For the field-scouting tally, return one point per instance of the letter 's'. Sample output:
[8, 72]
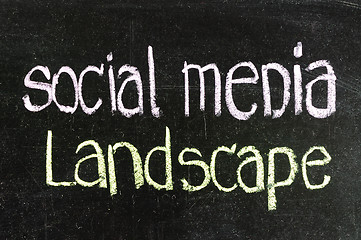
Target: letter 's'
[37, 85]
[203, 165]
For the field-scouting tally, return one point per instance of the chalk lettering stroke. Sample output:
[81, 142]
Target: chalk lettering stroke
[142, 173]
[134, 77]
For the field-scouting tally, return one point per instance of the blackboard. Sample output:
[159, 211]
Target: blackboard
[175, 34]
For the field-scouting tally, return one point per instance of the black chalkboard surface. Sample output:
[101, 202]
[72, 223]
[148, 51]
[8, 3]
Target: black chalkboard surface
[180, 120]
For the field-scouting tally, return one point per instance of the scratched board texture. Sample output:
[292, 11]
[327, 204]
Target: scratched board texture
[81, 33]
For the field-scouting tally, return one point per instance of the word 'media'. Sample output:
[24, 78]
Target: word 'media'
[142, 173]
[133, 76]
